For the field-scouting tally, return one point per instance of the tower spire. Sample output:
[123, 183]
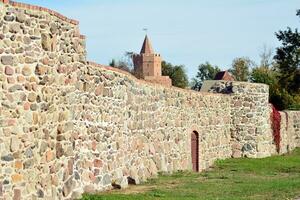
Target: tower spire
[147, 47]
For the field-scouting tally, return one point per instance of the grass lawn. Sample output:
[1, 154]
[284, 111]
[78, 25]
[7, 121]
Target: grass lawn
[276, 177]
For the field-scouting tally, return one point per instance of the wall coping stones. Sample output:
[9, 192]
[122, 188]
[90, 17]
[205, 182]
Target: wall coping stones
[39, 8]
[43, 9]
[141, 81]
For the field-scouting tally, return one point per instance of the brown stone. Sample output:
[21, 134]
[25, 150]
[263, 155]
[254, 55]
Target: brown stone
[94, 145]
[89, 189]
[9, 71]
[11, 80]
[16, 178]
[59, 150]
[26, 71]
[45, 61]
[17, 194]
[70, 166]
[26, 106]
[20, 79]
[54, 180]
[236, 154]
[49, 156]
[98, 163]
[40, 70]
[61, 69]
[92, 177]
[46, 42]
[31, 97]
[18, 165]
[35, 118]
[99, 90]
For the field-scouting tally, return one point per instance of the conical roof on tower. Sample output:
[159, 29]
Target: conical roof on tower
[147, 47]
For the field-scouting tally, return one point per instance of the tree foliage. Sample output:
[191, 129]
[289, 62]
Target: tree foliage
[288, 59]
[288, 66]
[176, 73]
[241, 68]
[206, 71]
[125, 63]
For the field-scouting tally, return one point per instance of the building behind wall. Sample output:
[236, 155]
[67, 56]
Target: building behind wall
[147, 65]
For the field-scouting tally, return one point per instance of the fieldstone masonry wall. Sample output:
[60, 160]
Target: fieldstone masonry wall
[251, 131]
[290, 130]
[69, 126]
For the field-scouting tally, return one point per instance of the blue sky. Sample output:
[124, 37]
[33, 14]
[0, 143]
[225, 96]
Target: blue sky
[186, 32]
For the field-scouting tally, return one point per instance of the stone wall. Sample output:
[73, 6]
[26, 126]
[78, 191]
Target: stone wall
[69, 126]
[290, 131]
[251, 131]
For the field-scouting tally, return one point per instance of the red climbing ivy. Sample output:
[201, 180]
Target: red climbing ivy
[276, 119]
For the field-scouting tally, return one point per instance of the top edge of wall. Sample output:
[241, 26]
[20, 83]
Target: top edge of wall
[39, 8]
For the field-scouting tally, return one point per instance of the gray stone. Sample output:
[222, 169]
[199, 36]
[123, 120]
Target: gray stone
[29, 60]
[68, 186]
[7, 60]
[247, 147]
[106, 180]
[43, 147]
[28, 163]
[14, 144]
[46, 42]
[77, 176]
[7, 158]
[28, 153]
[33, 107]
[13, 37]
[1, 190]
[53, 28]
[9, 18]
[21, 17]
[40, 193]
[15, 88]
[14, 28]
[19, 50]
[27, 40]
[98, 179]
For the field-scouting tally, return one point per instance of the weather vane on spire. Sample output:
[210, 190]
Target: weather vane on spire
[146, 30]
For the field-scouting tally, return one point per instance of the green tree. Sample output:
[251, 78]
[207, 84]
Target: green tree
[176, 73]
[241, 68]
[125, 63]
[266, 57]
[288, 59]
[206, 71]
[267, 75]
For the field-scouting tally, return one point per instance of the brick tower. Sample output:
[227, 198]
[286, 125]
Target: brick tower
[147, 65]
